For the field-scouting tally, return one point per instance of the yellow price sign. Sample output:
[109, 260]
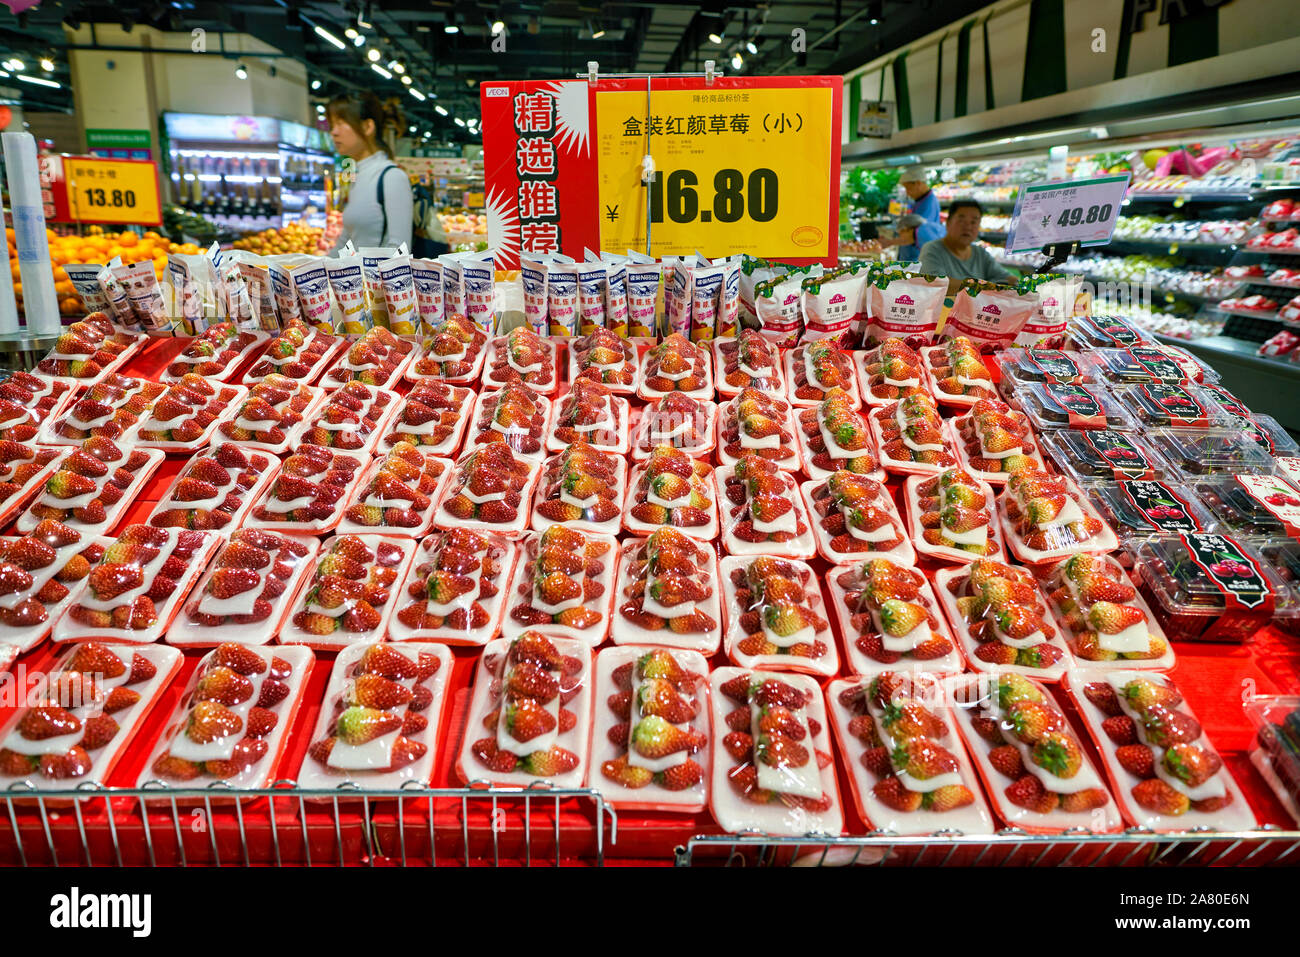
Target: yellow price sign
[112, 191]
[751, 170]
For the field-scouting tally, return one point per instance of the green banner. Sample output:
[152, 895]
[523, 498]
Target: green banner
[119, 139]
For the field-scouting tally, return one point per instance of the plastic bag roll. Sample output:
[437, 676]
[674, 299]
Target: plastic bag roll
[40, 302]
[8, 305]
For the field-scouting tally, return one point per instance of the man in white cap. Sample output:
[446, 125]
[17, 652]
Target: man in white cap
[916, 183]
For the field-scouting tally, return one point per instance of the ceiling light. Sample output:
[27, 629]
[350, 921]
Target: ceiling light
[329, 37]
[241, 72]
[875, 12]
[406, 79]
[373, 55]
[737, 61]
[397, 67]
[459, 121]
[411, 128]
[350, 33]
[417, 94]
[498, 27]
[359, 40]
[596, 34]
[451, 28]
[441, 109]
[14, 64]
[752, 47]
[381, 71]
[315, 84]
[363, 17]
[4, 74]
[715, 37]
[47, 64]
[40, 81]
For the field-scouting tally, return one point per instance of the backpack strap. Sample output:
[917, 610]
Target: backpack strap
[383, 236]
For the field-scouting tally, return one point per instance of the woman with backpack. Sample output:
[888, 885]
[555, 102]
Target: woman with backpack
[378, 209]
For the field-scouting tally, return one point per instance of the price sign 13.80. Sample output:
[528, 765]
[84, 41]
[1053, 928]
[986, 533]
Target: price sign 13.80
[114, 199]
[734, 197]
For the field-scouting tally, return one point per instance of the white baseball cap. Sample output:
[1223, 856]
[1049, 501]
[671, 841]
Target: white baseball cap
[914, 174]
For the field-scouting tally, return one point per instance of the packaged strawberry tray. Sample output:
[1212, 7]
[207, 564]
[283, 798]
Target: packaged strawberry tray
[185, 416]
[110, 409]
[1002, 620]
[591, 413]
[748, 361]
[1105, 621]
[563, 585]
[246, 593]
[1276, 754]
[136, 588]
[490, 491]
[86, 711]
[352, 419]
[1136, 509]
[41, 573]
[309, 493]
[215, 354]
[678, 421]
[398, 494]
[27, 402]
[453, 354]
[1046, 517]
[514, 417]
[299, 353]
[605, 358]
[673, 489]
[957, 374]
[775, 616]
[529, 718]
[1084, 406]
[433, 416]
[835, 436]
[351, 593]
[93, 487]
[455, 589]
[890, 372]
[380, 718]
[907, 767]
[763, 511]
[1030, 758]
[522, 358]
[23, 469]
[668, 593]
[952, 517]
[378, 358]
[912, 437]
[582, 488]
[233, 721]
[854, 517]
[815, 369]
[1104, 455]
[772, 770]
[676, 365]
[650, 735]
[888, 614]
[993, 440]
[268, 419]
[758, 423]
[1164, 771]
[215, 490]
[87, 351]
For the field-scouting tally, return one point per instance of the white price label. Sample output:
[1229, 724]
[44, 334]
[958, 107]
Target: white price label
[1080, 211]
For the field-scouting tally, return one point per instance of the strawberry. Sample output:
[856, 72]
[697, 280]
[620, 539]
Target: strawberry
[899, 618]
[549, 763]
[120, 698]
[47, 721]
[73, 763]
[238, 658]
[1039, 656]
[223, 685]
[659, 663]
[110, 580]
[1103, 696]
[210, 720]
[1006, 759]
[658, 696]
[905, 718]
[1157, 796]
[891, 793]
[359, 724]
[99, 731]
[1058, 753]
[681, 776]
[1028, 792]
[1031, 721]
[486, 750]
[1166, 727]
[261, 722]
[996, 653]
[387, 661]
[1089, 799]
[228, 582]
[626, 775]
[95, 659]
[526, 719]
[527, 680]
[1137, 759]
[1191, 764]
[778, 751]
[653, 737]
[923, 758]
[1111, 619]
[246, 753]
[1144, 693]
[947, 798]
[376, 691]
[15, 765]
[1101, 587]
[1120, 729]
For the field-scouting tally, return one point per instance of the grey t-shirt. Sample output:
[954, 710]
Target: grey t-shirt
[938, 260]
[363, 220]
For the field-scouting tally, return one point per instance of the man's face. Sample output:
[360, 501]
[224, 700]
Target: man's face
[916, 189]
[964, 225]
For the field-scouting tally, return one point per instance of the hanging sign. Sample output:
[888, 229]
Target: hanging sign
[1082, 211]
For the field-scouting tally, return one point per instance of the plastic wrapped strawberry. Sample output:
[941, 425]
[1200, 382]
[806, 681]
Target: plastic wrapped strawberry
[515, 417]
[93, 486]
[352, 419]
[454, 353]
[530, 715]
[350, 595]
[380, 717]
[398, 494]
[299, 353]
[564, 584]
[433, 416]
[957, 373]
[813, 370]
[377, 359]
[1103, 617]
[773, 769]
[86, 711]
[912, 437]
[309, 493]
[775, 616]
[456, 589]
[40, 574]
[652, 729]
[27, 402]
[215, 490]
[246, 593]
[679, 421]
[605, 358]
[215, 353]
[763, 510]
[891, 371]
[138, 585]
[1001, 619]
[489, 491]
[672, 489]
[755, 423]
[748, 362]
[88, 350]
[233, 720]
[676, 365]
[22, 468]
[951, 516]
[668, 593]
[907, 767]
[268, 417]
[521, 357]
[889, 614]
[994, 440]
[853, 515]
[582, 488]
[835, 436]
[591, 413]
[1046, 517]
[185, 416]
[109, 409]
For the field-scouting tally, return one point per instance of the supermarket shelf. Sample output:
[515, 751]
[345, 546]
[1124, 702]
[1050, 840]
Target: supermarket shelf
[1244, 313]
[1226, 196]
[1266, 384]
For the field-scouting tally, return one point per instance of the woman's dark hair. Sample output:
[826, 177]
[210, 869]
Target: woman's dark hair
[357, 107]
[959, 204]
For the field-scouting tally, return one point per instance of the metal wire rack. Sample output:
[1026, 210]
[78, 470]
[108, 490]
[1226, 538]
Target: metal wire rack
[1136, 847]
[285, 825]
